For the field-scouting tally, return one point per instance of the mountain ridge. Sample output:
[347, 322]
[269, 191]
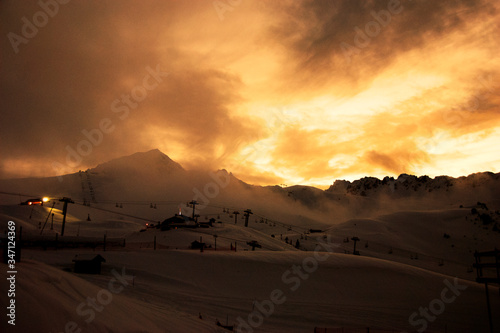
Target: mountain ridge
[153, 177]
[339, 185]
[366, 185]
[135, 161]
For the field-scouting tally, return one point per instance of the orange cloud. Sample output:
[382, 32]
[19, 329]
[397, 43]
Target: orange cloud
[271, 97]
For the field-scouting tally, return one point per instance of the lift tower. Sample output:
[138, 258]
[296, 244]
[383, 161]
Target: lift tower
[65, 210]
[247, 215]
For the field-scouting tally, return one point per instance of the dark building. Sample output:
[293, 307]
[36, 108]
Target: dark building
[178, 221]
[198, 245]
[31, 202]
[208, 224]
[88, 263]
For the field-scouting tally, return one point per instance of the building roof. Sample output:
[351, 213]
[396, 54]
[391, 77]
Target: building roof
[181, 219]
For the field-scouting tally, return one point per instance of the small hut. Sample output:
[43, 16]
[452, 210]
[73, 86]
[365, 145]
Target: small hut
[178, 221]
[88, 263]
[198, 245]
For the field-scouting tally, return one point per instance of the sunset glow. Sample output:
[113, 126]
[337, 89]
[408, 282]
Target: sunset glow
[264, 89]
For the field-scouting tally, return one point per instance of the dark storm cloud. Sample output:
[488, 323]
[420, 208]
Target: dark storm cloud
[352, 41]
[65, 79]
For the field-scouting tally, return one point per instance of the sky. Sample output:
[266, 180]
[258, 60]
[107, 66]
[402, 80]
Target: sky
[277, 92]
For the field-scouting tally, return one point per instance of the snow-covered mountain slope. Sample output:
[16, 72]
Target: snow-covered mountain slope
[152, 177]
[473, 188]
[133, 184]
[414, 233]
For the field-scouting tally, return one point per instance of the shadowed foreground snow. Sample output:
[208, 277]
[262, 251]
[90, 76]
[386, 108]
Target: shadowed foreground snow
[170, 288]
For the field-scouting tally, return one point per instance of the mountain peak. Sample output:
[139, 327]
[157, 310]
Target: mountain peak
[153, 161]
[154, 151]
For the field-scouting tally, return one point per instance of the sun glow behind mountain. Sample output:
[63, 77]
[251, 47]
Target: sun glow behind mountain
[272, 97]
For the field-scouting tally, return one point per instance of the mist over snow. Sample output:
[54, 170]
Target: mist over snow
[414, 233]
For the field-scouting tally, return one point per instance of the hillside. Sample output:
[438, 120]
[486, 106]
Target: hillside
[414, 233]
